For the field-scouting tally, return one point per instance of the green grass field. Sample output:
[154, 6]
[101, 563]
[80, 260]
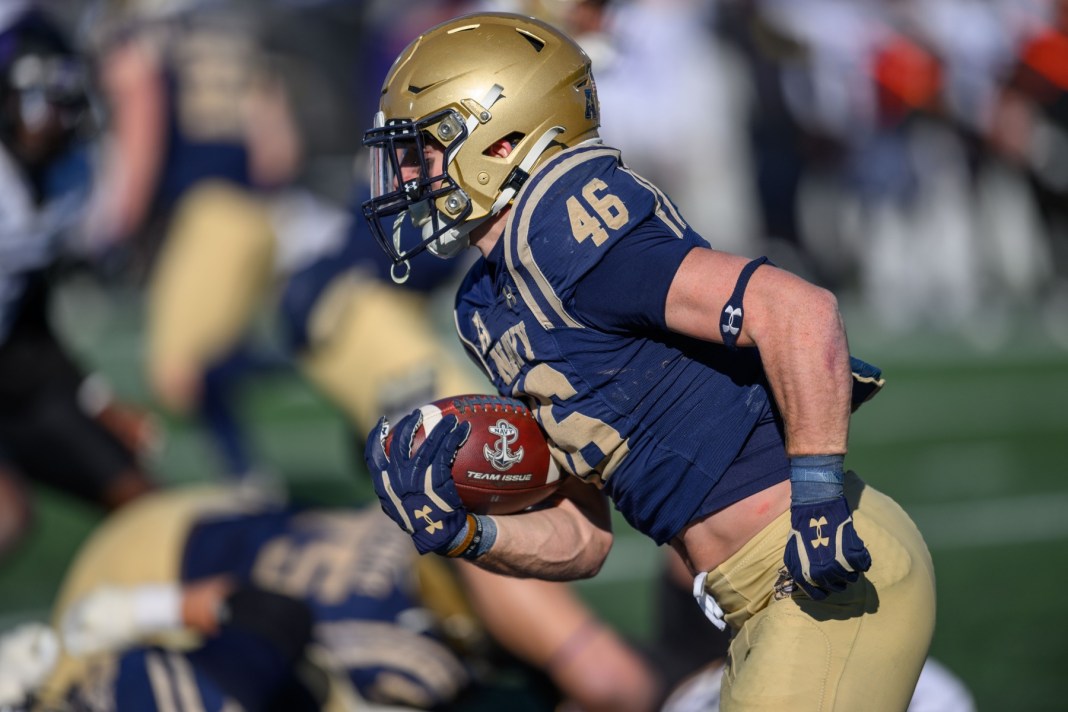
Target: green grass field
[973, 442]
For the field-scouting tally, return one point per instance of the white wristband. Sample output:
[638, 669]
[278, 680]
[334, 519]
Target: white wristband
[157, 607]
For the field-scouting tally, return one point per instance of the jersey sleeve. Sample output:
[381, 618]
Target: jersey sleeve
[593, 244]
[627, 289]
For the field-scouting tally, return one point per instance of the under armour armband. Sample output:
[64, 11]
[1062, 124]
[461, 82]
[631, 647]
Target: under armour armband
[730, 319]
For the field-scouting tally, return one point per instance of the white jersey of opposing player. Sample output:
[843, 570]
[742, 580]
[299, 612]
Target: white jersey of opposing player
[30, 235]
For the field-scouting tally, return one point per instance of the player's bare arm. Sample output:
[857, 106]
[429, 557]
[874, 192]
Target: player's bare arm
[133, 162]
[567, 541]
[796, 326]
[547, 625]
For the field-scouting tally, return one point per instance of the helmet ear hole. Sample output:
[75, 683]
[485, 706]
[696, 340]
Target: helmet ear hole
[504, 145]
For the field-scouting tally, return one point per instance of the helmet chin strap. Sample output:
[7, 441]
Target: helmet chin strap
[524, 167]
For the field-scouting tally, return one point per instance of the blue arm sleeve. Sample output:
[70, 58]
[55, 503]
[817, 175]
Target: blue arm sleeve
[628, 287]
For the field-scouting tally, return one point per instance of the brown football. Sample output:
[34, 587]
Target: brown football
[505, 465]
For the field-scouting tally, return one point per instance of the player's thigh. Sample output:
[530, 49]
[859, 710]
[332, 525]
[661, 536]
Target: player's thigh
[891, 646]
[214, 268]
[374, 351]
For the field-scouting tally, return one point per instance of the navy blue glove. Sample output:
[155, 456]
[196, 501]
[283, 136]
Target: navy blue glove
[824, 554]
[416, 488]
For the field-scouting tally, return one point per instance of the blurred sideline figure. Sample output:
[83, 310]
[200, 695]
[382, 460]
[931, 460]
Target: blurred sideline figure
[191, 601]
[58, 424]
[1030, 131]
[201, 140]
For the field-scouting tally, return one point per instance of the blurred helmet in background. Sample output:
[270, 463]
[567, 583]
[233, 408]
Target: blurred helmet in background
[43, 86]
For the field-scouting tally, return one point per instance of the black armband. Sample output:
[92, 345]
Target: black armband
[730, 319]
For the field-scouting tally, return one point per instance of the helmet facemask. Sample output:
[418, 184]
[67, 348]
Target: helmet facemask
[429, 210]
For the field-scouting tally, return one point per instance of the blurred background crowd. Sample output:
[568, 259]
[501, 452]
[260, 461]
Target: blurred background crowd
[196, 167]
[911, 152]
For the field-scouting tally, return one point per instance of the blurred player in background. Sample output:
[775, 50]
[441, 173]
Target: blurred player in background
[191, 599]
[597, 303]
[366, 344]
[201, 138]
[59, 425]
[1030, 129]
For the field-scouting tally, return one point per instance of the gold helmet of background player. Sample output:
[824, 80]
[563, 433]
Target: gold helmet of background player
[467, 85]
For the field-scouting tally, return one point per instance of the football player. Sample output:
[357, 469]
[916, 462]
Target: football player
[55, 418]
[706, 395]
[192, 597]
[201, 137]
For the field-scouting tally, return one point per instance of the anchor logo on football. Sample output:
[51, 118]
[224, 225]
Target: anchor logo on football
[818, 525]
[501, 457]
[424, 514]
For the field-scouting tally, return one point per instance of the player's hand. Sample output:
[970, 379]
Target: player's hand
[415, 487]
[111, 618]
[27, 656]
[824, 553]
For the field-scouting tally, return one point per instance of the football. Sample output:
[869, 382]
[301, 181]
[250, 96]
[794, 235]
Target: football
[505, 465]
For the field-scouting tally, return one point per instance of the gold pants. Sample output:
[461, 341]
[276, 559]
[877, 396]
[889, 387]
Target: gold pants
[860, 649]
[214, 270]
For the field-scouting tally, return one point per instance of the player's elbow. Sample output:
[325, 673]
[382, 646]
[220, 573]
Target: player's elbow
[596, 548]
[587, 548]
[819, 308]
[813, 317]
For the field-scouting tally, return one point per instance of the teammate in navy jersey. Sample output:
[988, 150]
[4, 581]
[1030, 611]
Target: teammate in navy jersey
[707, 395]
[202, 138]
[196, 598]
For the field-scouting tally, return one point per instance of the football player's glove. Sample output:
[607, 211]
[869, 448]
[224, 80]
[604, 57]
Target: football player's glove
[28, 654]
[415, 487]
[824, 553]
[111, 618]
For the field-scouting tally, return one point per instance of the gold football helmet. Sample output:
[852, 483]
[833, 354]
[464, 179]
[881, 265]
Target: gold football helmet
[467, 86]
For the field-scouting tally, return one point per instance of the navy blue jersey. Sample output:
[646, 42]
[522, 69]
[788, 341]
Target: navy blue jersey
[653, 417]
[189, 159]
[209, 70]
[358, 577]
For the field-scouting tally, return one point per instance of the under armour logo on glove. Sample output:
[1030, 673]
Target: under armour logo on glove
[416, 488]
[824, 554]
